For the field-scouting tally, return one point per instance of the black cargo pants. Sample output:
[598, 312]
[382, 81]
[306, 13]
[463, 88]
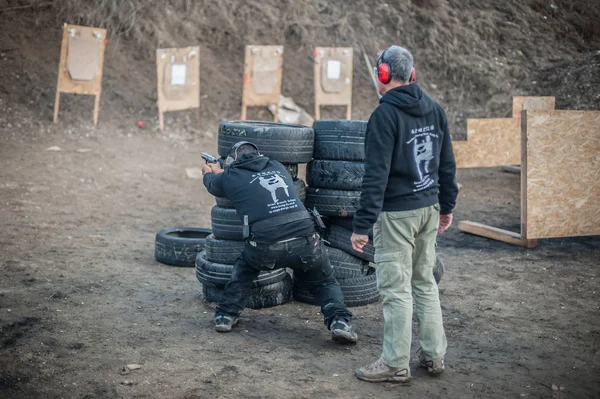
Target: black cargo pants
[309, 260]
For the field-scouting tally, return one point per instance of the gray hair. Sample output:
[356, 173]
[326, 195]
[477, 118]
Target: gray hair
[400, 61]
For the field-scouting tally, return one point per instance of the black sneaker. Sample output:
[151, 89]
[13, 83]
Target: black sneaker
[223, 323]
[342, 332]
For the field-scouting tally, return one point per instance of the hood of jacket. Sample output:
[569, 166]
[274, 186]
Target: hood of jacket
[252, 162]
[409, 99]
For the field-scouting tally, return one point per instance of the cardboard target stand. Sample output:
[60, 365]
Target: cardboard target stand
[333, 78]
[263, 67]
[80, 66]
[178, 80]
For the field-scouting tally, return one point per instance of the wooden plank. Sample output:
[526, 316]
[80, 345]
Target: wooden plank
[490, 142]
[524, 174]
[330, 89]
[495, 233]
[511, 169]
[531, 103]
[561, 194]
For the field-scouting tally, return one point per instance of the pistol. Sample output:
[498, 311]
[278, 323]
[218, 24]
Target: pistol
[208, 158]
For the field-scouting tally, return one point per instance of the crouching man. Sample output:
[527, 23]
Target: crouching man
[282, 233]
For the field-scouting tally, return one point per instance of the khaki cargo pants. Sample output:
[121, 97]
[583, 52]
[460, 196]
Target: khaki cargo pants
[405, 259]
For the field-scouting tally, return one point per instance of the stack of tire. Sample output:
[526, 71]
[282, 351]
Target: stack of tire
[288, 144]
[334, 180]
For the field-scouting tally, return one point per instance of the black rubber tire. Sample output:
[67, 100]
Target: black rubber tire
[292, 169]
[340, 139]
[223, 251]
[338, 175]
[179, 246]
[282, 142]
[226, 224]
[223, 202]
[438, 271]
[345, 265]
[260, 297]
[339, 237]
[358, 291]
[218, 274]
[345, 223]
[333, 202]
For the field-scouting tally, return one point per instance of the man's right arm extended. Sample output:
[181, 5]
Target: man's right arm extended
[214, 182]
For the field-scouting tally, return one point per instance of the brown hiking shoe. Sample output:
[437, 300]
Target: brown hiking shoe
[381, 372]
[434, 365]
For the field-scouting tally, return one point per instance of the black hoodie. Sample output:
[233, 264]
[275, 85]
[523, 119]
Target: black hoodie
[410, 163]
[261, 188]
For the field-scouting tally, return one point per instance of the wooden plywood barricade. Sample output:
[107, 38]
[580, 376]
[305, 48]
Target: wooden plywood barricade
[178, 80]
[491, 142]
[333, 78]
[497, 141]
[560, 178]
[263, 66]
[81, 64]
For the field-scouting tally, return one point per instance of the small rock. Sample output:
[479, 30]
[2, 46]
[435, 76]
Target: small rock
[134, 366]
[84, 150]
[127, 382]
[54, 148]
[554, 387]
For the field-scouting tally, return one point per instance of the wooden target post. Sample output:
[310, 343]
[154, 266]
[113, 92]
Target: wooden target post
[80, 66]
[263, 66]
[333, 78]
[178, 80]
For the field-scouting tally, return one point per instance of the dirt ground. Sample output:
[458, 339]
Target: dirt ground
[81, 295]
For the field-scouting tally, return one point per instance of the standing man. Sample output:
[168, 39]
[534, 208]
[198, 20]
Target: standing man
[408, 193]
[282, 234]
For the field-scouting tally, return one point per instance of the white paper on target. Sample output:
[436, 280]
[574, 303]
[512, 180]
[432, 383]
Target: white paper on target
[333, 69]
[178, 74]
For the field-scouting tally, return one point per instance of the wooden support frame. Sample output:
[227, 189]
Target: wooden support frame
[263, 72]
[82, 60]
[182, 91]
[511, 169]
[333, 78]
[495, 233]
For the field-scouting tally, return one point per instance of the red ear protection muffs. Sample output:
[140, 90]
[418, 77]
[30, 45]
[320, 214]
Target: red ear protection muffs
[383, 71]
